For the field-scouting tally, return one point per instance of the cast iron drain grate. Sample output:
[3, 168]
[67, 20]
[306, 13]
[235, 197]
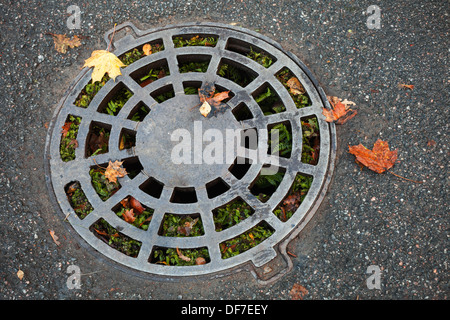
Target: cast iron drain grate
[198, 216]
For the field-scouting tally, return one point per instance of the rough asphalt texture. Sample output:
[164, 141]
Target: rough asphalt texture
[366, 218]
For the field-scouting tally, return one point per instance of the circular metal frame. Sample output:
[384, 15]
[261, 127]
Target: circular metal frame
[60, 173]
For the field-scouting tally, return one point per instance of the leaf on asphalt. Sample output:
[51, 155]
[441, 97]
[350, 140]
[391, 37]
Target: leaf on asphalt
[20, 274]
[212, 102]
[406, 86]
[379, 159]
[104, 62]
[147, 48]
[340, 111]
[298, 292]
[114, 171]
[54, 237]
[295, 86]
[182, 257]
[62, 42]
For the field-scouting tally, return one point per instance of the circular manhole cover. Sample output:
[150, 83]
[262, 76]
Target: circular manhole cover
[202, 195]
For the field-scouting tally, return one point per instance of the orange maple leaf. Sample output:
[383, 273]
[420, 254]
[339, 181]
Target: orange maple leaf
[339, 112]
[115, 170]
[379, 159]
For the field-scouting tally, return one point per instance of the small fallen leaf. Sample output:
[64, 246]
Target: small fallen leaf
[20, 274]
[136, 205]
[295, 86]
[114, 171]
[65, 129]
[406, 86]
[128, 216]
[379, 159]
[54, 237]
[104, 62]
[62, 42]
[298, 292]
[339, 112]
[200, 260]
[182, 257]
[205, 109]
[147, 48]
[212, 103]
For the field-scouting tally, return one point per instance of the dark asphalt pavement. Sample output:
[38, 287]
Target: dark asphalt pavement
[366, 219]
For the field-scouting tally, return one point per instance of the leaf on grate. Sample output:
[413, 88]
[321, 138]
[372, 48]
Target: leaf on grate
[182, 257]
[379, 159]
[128, 216]
[104, 62]
[212, 102]
[295, 86]
[340, 111]
[62, 42]
[298, 292]
[114, 171]
[136, 205]
[147, 48]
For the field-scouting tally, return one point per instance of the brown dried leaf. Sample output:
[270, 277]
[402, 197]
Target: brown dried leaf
[62, 42]
[406, 86]
[136, 205]
[128, 216]
[147, 48]
[298, 292]
[295, 86]
[54, 237]
[182, 257]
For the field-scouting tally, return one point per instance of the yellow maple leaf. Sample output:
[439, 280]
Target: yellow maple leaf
[104, 62]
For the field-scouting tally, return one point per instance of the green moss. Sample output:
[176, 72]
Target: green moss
[194, 41]
[116, 103]
[230, 215]
[115, 239]
[300, 100]
[194, 67]
[89, 92]
[235, 74]
[68, 140]
[311, 140]
[260, 57]
[175, 225]
[78, 200]
[269, 102]
[102, 186]
[294, 198]
[245, 241]
[170, 257]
